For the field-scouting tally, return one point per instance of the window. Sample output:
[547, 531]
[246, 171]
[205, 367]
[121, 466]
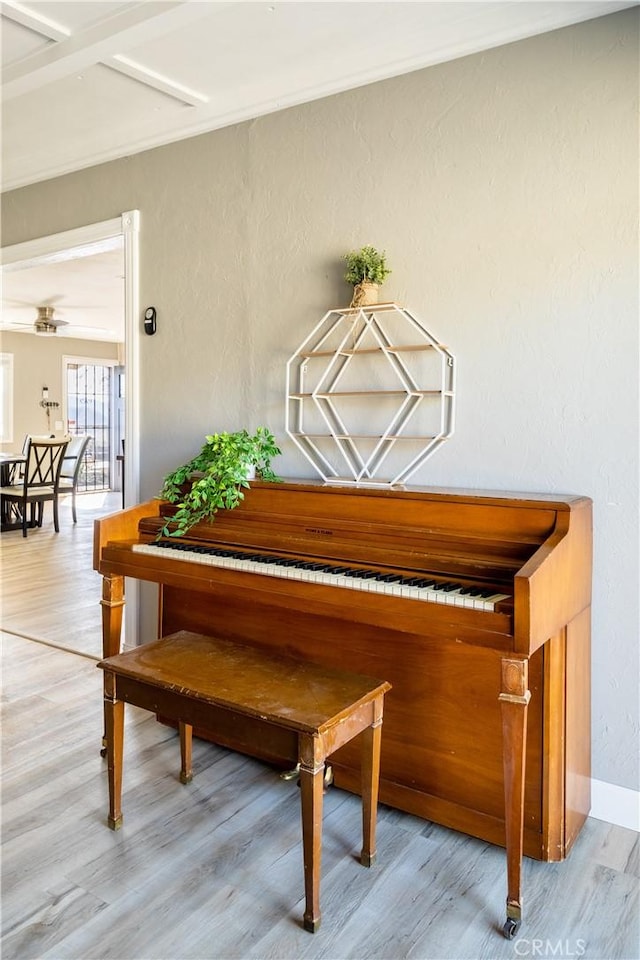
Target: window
[6, 398]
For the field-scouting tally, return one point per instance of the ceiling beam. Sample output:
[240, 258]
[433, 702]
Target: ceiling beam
[136, 71]
[34, 21]
[137, 23]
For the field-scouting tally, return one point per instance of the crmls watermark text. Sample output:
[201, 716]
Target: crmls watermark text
[550, 948]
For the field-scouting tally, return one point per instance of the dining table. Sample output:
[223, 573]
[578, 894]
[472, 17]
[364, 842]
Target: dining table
[10, 515]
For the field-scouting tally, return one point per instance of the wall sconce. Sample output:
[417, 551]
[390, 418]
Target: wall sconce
[47, 405]
[45, 402]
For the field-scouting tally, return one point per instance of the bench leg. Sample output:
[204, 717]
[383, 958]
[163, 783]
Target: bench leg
[186, 738]
[370, 766]
[114, 735]
[311, 791]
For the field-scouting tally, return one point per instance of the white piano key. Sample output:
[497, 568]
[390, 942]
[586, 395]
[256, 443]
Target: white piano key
[370, 585]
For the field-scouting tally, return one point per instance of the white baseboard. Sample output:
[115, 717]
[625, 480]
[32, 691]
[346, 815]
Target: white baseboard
[615, 804]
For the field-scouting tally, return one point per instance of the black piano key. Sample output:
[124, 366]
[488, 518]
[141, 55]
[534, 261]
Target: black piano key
[360, 573]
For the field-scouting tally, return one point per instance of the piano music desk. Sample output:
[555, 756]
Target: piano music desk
[299, 711]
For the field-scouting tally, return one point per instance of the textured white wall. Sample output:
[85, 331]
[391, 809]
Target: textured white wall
[504, 188]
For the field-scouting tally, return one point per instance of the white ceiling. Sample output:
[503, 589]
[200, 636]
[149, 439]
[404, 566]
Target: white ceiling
[85, 288]
[88, 81]
[84, 82]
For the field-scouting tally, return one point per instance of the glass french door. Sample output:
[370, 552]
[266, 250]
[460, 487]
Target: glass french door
[92, 408]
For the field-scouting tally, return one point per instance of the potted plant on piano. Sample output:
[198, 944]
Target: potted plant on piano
[216, 478]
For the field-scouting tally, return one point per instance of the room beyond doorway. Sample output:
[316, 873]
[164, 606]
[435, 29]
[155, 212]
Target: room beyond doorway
[57, 247]
[50, 591]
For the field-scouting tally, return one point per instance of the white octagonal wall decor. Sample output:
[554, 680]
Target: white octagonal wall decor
[370, 395]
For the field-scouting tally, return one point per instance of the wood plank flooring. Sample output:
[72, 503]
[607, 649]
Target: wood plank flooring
[214, 869]
[49, 589]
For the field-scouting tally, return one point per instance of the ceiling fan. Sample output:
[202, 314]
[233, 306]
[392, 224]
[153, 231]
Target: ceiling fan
[45, 324]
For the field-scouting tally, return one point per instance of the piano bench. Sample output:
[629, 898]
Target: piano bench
[303, 711]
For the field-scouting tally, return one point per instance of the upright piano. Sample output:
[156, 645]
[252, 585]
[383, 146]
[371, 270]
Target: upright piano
[474, 605]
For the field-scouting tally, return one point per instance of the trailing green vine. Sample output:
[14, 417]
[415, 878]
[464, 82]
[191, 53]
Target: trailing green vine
[216, 478]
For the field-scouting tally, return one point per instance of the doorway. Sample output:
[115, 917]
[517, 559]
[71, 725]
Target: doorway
[64, 246]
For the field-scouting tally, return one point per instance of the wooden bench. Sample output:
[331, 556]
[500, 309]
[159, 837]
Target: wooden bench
[300, 711]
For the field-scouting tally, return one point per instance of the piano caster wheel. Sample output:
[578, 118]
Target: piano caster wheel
[510, 928]
[292, 774]
[103, 752]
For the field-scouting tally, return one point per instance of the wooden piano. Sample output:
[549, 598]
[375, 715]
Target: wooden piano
[475, 606]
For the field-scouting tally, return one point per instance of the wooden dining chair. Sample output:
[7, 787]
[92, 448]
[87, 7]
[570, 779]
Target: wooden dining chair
[40, 481]
[72, 464]
[17, 471]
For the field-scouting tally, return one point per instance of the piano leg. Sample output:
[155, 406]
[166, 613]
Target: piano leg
[514, 700]
[112, 604]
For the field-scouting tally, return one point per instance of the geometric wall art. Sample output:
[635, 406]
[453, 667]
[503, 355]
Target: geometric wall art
[370, 395]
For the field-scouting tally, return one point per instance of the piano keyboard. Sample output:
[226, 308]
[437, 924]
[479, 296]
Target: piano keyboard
[335, 575]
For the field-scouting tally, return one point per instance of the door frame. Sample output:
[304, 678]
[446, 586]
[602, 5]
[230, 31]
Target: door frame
[60, 246]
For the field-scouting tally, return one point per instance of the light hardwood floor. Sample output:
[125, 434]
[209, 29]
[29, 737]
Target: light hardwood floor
[49, 589]
[214, 869]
